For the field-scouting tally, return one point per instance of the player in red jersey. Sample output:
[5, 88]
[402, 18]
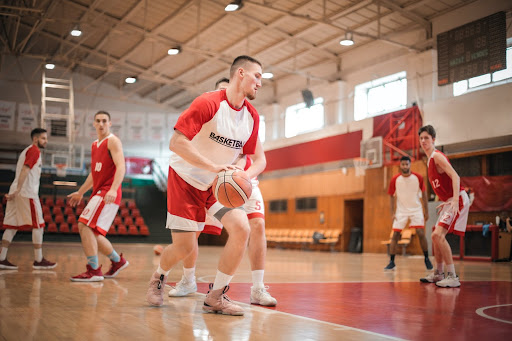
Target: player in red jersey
[453, 215]
[23, 207]
[107, 173]
[208, 138]
[257, 246]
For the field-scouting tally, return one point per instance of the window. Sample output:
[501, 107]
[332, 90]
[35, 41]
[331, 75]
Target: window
[464, 86]
[299, 119]
[380, 96]
[261, 132]
[305, 204]
[278, 206]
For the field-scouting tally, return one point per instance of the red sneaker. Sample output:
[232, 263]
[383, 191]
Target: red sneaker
[5, 264]
[90, 275]
[116, 267]
[44, 264]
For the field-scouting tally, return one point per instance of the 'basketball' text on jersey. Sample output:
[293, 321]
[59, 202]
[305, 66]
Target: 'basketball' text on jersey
[226, 141]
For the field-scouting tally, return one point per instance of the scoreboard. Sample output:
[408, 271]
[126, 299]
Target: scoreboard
[471, 50]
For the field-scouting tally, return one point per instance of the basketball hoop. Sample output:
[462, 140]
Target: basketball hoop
[360, 164]
[61, 169]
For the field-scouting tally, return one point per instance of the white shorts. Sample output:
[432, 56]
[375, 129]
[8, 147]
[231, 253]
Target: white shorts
[98, 216]
[23, 213]
[254, 207]
[455, 223]
[401, 219]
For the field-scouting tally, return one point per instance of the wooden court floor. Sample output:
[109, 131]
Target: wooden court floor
[321, 296]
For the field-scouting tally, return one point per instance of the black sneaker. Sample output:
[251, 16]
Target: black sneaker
[390, 266]
[428, 264]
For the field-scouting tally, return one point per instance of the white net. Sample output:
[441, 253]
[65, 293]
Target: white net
[360, 165]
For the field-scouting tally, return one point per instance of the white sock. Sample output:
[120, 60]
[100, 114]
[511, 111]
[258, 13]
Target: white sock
[257, 279]
[451, 268]
[440, 267]
[38, 254]
[189, 274]
[3, 254]
[162, 271]
[221, 280]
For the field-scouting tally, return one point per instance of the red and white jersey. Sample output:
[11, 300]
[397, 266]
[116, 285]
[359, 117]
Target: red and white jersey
[103, 169]
[408, 191]
[218, 131]
[31, 157]
[441, 182]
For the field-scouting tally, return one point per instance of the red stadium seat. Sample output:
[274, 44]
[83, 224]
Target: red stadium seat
[46, 209]
[131, 205]
[47, 218]
[59, 219]
[74, 228]
[81, 204]
[60, 202]
[112, 231]
[79, 211]
[52, 228]
[121, 229]
[139, 221]
[144, 231]
[57, 210]
[71, 219]
[68, 210]
[135, 213]
[64, 228]
[132, 230]
[118, 220]
[49, 202]
[128, 221]
[125, 212]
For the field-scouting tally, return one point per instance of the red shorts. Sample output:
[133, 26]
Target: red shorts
[186, 205]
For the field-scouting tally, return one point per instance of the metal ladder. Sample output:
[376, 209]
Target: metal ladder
[63, 94]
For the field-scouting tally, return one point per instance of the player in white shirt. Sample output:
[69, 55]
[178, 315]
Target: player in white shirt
[208, 138]
[405, 190]
[23, 209]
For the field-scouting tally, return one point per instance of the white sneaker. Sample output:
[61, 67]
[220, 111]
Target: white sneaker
[433, 277]
[262, 297]
[451, 281]
[183, 288]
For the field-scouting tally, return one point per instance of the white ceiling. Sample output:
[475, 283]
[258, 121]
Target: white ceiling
[131, 37]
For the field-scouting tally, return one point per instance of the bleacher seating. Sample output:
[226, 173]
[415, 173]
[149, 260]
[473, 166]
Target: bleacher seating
[404, 241]
[303, 239]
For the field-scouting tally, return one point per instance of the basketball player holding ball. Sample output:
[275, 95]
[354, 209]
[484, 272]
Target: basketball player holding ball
[255, 210]
[208, 138]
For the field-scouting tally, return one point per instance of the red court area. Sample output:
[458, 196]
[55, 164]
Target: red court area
[408, 310]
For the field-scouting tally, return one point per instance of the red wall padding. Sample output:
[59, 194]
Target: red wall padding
[492, 193]
[334, 148]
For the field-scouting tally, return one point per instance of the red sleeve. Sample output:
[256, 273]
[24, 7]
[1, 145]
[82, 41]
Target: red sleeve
[32, 156]
[202, 110]
[392, 185]
[420, 180]
[248, 162]
[250, 145]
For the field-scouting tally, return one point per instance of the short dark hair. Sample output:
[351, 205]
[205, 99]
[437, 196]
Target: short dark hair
[37, 132]
[405, 158]
[102, 112]
[222, 80]
[429, 129]
[240, 61]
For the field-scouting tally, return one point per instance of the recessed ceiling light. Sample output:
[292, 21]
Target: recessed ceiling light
[130, 80]
[50, 66]
[234, 6]
[174, 51]
[348, 41]
[267, 75]
[76, 32]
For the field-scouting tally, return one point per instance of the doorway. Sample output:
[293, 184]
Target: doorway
[354, 213]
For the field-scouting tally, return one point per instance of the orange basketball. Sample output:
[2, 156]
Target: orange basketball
[232, 188]
[158, 249]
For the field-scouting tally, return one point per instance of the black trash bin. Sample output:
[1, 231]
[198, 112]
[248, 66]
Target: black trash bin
[356, 240]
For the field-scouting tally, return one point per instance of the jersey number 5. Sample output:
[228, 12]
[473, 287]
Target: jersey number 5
[97, 168]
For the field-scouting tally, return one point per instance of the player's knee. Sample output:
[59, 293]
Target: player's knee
[437, 237]
[257, 227]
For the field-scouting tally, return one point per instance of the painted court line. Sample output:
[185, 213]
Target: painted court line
[480, 311]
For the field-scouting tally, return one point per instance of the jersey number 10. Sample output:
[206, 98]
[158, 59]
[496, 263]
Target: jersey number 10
[97, 168]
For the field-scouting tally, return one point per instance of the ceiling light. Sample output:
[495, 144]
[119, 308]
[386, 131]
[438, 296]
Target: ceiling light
[130, 80]
[173, 51]
[49, 66]
[348, 41]
[234, 6]
[267, 75]
[76, 32]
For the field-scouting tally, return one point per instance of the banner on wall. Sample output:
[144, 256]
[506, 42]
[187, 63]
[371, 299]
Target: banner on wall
[28, 117]
[492, 193]
[136, 126]
[156, 127]
[7, 111]
[118, 123]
